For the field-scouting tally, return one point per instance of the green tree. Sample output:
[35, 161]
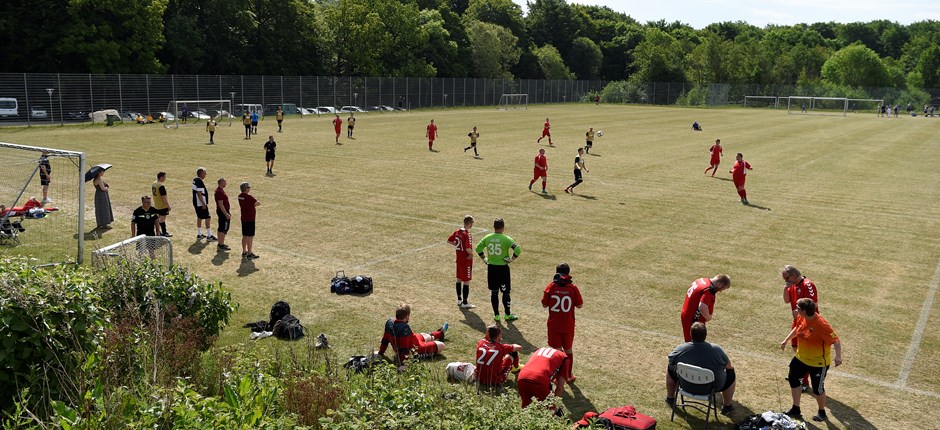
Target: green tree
[553, 67]
[928, 66]
[112, 36]
[493, 49]
[658, 58]
[441, 51]
[856, 65]
[585, 58]
[504, 13]
[553, 22]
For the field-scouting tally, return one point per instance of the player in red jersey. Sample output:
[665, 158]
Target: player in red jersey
[739, 175]
[798, 287]
[540, 170]
[699, 302]
[463, 243]
[715, 151]
[494, 359]
[337, 124]
[561, 298]
[431, 135]
[546, 132]
[546, 366]
[398, 334]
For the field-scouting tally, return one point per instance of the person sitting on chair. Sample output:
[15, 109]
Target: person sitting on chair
[707, 356]
[399, 336]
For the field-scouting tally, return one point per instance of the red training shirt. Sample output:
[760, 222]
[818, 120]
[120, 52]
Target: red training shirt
[739, 170]
[701, 291]
[247, 205]
[544, 367]
[489, 361]
[464, 241]
[803, 289]
[541, 161]
[432, 131]
[562, 298]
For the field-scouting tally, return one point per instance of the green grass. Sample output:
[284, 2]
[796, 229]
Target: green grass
[850, 201]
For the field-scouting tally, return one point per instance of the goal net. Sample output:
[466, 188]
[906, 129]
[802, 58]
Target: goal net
[761, 102]
[139, 248]
[865, 105]
[513, 101]
[817, 105]
[198, 112]
[42, 191]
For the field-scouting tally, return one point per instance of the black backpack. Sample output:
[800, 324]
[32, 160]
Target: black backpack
[361, 284]
[340, 284]
[278, 311]
[288, 328]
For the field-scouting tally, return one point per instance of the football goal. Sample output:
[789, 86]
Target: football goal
[197, 111]
[865, 105]
[135, 249]
[817, 105]
[513, 101]
[42, 194]
[761, 102]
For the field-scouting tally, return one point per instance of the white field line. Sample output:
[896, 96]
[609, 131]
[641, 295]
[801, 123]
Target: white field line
[918, 336]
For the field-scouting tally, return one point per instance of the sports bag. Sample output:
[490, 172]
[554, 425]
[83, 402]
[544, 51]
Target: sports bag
[361, 284]
[278, 311]
[340, 283]
[288, 328]
[625, 418]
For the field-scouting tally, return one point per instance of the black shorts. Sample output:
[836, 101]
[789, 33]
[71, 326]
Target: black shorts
[817, 375]
[202, 213]
[279, 121]
[350, 127]
[224, 223]
[254, 123]
[163, 212]
[248, 228]
[588, 143]
[577, 175]
[497, 277]
[269, 156]
[44, 180]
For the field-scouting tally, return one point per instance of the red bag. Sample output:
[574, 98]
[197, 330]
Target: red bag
[626, 418]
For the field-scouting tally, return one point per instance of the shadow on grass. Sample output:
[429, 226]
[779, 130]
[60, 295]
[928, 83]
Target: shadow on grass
[850, 418]
[722, 179]
[546, 196]
[94, 234]
[246, 268]
[585, 196]
[197, 247]
[594, 155]
[220, 257]
[472, 320]
[763, 208]
[577, 403]
[512, 335]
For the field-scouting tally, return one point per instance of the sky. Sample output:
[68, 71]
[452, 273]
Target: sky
[760, 13]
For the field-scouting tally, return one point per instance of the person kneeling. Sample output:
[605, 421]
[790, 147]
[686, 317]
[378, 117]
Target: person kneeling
[398, 334]
[495, 359]
[709, 356]
[546, 366]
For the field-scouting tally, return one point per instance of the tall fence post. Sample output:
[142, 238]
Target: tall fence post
[29, 121]
[120, 93]
[91, 94]
[147, 83]
[58, 80]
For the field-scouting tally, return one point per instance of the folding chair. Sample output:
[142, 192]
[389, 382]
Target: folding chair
[689, 374]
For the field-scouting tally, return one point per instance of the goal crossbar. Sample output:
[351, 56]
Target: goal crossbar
[221, 110]
[817, 105]
[513, 101]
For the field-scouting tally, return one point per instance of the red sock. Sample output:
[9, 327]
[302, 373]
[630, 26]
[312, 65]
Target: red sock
[741, 194]
[543, 185]
[744, 194]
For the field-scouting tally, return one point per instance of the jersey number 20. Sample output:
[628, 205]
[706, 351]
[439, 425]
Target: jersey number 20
[561, 304]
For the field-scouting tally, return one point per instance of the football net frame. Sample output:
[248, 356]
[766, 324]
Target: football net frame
[817, 105]
[865, 105]
[56, 234]
[762, 101]
[513, 101]
[215, 108]
[134, 250]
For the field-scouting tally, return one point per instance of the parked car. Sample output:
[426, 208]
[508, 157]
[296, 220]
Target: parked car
[199, 114]
[38, 112]
[327, 109]
[76, 116]
[131, 116]
[305, 111]
[351, 109]
[167, 116]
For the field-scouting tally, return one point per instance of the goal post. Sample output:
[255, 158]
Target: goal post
[865, 105]
[513, 101]
[817, 105]
[198, 111]
[761, 102]
[51, 229]
[138, 248]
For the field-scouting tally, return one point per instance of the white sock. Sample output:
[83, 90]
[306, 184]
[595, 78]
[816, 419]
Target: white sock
[199, 231]
[208, 231]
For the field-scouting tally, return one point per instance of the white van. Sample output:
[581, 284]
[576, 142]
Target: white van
[9, 107]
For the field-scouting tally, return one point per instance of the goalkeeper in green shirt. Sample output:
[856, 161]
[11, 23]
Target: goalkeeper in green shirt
[500, 251]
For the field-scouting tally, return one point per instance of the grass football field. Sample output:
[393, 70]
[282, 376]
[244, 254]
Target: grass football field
[850, 201]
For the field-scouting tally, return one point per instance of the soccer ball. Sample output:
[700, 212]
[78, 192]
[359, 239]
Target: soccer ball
[600, 133]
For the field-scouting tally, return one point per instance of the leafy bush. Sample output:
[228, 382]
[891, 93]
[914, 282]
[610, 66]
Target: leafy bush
[625, 92]
[696, 96]
[150, 287]
[50, 318]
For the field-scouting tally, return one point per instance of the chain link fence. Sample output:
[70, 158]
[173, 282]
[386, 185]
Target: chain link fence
[37, 99]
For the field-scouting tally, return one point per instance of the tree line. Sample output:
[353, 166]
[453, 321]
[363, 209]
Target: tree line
[454, 38]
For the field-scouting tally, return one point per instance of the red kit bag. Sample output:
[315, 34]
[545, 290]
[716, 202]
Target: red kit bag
[626, 418]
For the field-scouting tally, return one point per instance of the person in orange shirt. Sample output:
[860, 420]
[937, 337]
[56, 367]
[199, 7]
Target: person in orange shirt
[797, 287]
[814, 338]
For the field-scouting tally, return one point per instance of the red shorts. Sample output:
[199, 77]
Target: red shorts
[715, 161]
[423, 346]
[337, 129]
[464, 268]
[504, 368]
[738, 182]
[529, 389]
[539, 174]
[687, 328]
[545, 132]
[560, 340]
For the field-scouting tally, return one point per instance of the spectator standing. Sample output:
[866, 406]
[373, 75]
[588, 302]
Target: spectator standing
[161, 202]
[45, 176]
[248, 207]
[814, 337]
[103, 214]
[223, 211]
[201, 205]
[145, 219]
[797, 287]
